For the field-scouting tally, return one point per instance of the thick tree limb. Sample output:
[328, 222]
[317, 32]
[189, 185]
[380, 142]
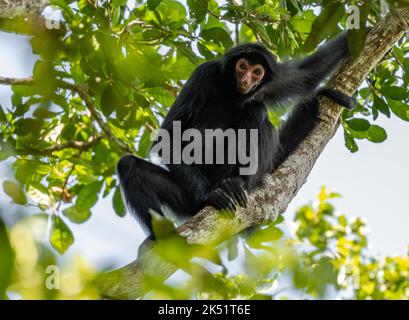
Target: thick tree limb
[281, 187]
[15, 8]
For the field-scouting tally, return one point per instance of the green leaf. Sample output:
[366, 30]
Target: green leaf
[381, 105]
[152, 4]
[303, 23]
[17, 99]
[395, 92]
[144, 144]
[118, 3]
[280, 219]
[117, 203]
[76, 216]
[197, 9]
[88, 196]
[141, 101]
[186, 49]
[61, 237]
[358, 124]
[400, 109]
[14, 192]
[357, 37]
[350, 142]
[271, 233]
[109, 100]
[26, 126]
[356, 41]
[3, 118]
[292, 7]
[324, 25]
[152, 34]
[7, 261]
[204, 51]
[161, 96]
[376, 134]
[44, 113]
[232, 249]
[260, 30]
[218, 35]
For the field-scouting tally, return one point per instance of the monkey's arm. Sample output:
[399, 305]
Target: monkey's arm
[294, 130]
[326, 59]
[302, 119]
[299, 80]
[307, 76]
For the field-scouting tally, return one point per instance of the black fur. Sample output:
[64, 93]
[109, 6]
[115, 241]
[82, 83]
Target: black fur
[209, 100]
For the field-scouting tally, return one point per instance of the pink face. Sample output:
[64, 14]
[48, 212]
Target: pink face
[248, 76]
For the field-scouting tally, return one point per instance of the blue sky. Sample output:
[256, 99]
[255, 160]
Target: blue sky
[373, 182]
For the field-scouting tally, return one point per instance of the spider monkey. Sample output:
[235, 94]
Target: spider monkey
[234, 92]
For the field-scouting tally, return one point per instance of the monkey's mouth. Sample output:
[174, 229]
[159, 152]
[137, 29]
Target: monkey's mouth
[243, 89]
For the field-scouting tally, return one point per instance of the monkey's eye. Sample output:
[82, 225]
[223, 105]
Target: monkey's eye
[242, 66]
[257, 72]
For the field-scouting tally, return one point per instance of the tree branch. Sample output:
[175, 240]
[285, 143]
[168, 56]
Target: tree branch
[15, 8]
[16, 81]
[78, 145]
[81, 90]
[265, 203]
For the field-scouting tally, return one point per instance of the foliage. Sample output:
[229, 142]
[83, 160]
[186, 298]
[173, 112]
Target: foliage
[30, 269]
[325, 256]
[105, 79]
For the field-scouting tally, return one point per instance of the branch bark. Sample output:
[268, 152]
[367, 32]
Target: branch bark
[265, 203]
[16, 8]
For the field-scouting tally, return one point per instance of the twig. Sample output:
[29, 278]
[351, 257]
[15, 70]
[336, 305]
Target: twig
[16, 81]
[65, 186]
[79, 145]
[81, 90]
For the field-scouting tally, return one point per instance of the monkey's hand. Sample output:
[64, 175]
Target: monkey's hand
[228, 194]
[236, 189]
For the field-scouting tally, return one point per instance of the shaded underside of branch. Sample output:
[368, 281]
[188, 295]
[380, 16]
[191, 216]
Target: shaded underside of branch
[267, 202]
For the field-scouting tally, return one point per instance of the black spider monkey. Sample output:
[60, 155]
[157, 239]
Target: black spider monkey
[233, 92]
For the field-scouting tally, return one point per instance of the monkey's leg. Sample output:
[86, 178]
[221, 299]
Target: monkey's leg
[147, 186]
[299, 124]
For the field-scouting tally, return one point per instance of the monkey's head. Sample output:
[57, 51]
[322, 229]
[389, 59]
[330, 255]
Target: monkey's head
[251, 65]
[248, 74]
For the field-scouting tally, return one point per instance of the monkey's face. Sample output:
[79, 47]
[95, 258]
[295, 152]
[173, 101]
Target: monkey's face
[248, 75]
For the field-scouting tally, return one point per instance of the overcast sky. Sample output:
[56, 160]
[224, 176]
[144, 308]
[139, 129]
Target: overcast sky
[373, 182]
